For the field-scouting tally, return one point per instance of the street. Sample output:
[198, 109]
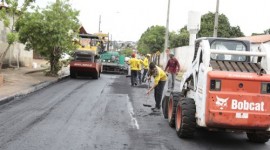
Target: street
[86, 114]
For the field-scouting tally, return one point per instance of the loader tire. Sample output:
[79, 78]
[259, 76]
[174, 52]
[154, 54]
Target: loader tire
[185, 122]
[258, 137]
[165, 106]
[172, 103]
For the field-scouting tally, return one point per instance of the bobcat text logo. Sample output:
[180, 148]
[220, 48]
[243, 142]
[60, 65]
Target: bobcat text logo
[221, 102]
[245, 105]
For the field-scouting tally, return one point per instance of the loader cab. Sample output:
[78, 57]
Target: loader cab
[231, 45]
[225, 44]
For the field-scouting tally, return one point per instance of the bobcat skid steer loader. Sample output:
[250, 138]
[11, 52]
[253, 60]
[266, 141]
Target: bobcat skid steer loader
[226, 88]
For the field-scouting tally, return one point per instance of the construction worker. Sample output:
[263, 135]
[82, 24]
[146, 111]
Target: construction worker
[134, 66]
[145, 66]
[172, 68]
[139, 70]
[160, 78]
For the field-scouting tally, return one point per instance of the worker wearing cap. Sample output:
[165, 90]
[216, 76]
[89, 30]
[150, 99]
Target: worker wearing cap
[134, 66]
[145, 66]
[172, 68]
[160, 78]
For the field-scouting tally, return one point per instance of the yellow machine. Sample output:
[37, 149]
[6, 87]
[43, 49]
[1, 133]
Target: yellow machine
[86, 57]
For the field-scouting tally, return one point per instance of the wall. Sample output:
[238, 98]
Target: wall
[254, 46]
[183, 54]
[25, 57]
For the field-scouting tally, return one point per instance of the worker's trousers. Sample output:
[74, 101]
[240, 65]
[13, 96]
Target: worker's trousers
[134, 77]
[158, 93]
[144, 75]
[171, 81]
[139, 76]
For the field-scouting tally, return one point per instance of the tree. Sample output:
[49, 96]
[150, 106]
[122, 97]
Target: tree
[152, 40]
[11, 11]
[236, 32]
[50, 31]
[224, 28]
[267, 31]
[179, 39]
[127, 52]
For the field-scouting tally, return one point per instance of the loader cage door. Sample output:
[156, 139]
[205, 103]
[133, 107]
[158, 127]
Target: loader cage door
[197, 45]
[229, 45]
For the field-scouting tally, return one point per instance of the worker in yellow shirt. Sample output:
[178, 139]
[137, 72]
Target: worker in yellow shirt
[160, 79]
[140, 61]
[134, 66]
[145, 66]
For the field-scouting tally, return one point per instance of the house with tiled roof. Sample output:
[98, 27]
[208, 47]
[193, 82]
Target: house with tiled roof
[256, 40]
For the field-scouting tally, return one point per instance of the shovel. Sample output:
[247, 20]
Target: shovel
[147, 105]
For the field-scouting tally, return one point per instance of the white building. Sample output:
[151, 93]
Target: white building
[256, 40]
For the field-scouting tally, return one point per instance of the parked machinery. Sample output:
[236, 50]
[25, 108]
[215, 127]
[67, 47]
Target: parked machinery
[226, 88]
[86, 58]
[113, 62]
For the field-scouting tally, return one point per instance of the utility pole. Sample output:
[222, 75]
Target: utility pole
[167, 27]
[216, 20]
[99, 23]
[167, 33]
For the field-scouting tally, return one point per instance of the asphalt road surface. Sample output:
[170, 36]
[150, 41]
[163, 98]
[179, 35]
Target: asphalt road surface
[87, 114]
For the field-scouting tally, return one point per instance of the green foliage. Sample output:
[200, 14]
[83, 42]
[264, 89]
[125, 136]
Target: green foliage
[10, 16]
[127, 52]
[11, 37]
[4, 17]
[224, 27]
[48, 31]
[236, 32]
[267, 31]
[152, 40]
[179, 39]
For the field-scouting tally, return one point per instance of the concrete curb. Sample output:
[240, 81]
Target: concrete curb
[38, 70]
[35, 88]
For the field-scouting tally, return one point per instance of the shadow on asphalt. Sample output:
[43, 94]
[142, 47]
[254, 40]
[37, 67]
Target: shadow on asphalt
[153, 114]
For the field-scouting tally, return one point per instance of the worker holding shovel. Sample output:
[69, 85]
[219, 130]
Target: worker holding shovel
[160, 78]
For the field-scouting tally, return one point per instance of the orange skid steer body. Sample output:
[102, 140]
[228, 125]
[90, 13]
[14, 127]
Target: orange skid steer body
[225, 88]
[238, 100]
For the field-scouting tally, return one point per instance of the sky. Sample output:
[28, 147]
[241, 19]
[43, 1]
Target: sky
[126, 20]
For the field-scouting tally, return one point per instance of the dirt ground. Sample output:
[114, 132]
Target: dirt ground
[16, 80]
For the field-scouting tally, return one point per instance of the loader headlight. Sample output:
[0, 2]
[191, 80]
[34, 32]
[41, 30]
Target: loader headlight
[265, 88]
[215, 85]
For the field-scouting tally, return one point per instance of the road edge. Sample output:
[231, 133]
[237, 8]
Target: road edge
[30, 90]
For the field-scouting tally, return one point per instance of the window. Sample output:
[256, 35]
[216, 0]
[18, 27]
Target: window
[81, 57]
[228, 45]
